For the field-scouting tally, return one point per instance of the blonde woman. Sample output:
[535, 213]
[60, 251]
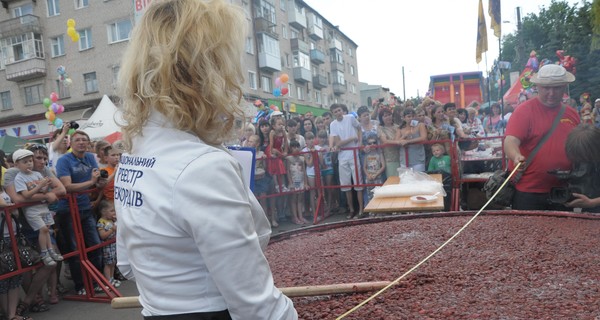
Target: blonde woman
[190, 230]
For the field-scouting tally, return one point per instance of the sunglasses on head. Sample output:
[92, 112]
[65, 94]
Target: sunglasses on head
[372, 143]
[36, 147]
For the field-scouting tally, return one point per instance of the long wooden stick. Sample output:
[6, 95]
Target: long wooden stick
[305, 291]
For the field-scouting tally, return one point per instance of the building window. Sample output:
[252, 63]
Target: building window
[349, 51]
[353, 88]
[62, 90]
[85, 39]
[252, 80]
[6, 100]
[119, 31]
[282, 4]
[351, 69]
[91, 83]
[53, 8]
[21, 47]
[266, 83]
[284, 32]
[58, 46]
[290, 92]
[33, 94]
[81, 4]
[23, 10]
[294, 33]
[299, 93]
[317, 96]
[249, 45]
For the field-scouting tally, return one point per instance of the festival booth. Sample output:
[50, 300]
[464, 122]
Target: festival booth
[104, 121]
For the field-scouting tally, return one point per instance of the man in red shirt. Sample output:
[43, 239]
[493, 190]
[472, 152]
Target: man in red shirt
[528, 124]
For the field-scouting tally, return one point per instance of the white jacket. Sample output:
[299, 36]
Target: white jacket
[190, 232]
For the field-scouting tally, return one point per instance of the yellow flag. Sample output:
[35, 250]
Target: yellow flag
[495, 17]
[482, 43]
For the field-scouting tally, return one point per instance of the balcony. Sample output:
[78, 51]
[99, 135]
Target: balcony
[302, 74]
[26, 69]
[337, 66]
[339, 88]
[335, 44]
[297, 18]
[299, 45]
[319, 81]
[268, 62]
[16, 26]
[317, 56]
[315, 32]
[262, 25]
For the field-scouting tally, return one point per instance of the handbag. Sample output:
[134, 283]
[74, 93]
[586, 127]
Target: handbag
[505, 195]
[27, 254]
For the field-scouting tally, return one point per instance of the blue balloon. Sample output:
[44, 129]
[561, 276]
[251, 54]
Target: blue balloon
[58, 122]
[354, 114]
[277, 92]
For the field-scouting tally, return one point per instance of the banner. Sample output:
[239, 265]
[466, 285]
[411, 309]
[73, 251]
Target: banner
[482, 43]
[495, 17]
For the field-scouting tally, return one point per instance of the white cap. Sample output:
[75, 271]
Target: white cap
[20, 154]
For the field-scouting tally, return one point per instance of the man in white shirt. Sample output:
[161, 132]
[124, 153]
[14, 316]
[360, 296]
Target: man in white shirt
[345, 133]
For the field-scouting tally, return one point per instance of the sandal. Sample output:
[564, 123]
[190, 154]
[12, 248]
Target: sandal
[22, 307]
[39, 307]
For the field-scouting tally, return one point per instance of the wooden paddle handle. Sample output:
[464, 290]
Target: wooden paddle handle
[305, 291]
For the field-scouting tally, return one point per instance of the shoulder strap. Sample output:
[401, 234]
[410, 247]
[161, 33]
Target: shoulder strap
[542, 141]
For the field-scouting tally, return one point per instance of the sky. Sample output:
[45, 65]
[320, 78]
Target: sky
[426, 37]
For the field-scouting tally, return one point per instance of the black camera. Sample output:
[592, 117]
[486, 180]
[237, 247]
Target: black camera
[381, 100]
[579, 180]
[103, 173]
[74, 125]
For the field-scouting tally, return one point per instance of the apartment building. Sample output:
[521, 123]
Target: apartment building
[285, 36]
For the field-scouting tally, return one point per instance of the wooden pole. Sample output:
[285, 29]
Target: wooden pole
[305, 291]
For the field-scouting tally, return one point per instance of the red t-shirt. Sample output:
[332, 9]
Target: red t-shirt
[529, 123]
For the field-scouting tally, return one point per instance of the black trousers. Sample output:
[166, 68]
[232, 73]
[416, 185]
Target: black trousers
[535, 201]
[217, 315]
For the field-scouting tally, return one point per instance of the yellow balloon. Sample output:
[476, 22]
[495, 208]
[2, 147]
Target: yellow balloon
[75, 38]
[71, 23]
[71, 32]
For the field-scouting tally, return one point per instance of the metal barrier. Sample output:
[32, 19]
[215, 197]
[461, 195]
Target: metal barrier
[90, 273]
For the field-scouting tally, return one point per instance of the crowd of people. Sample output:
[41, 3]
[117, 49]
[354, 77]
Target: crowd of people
[28, 178]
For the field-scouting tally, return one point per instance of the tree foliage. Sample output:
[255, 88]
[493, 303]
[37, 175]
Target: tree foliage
[559, 27]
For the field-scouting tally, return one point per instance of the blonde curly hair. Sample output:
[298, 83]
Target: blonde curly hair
[184, 61]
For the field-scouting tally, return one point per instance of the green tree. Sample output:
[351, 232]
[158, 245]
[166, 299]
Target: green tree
[558, 27]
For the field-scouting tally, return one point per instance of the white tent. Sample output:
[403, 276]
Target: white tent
[104, 120]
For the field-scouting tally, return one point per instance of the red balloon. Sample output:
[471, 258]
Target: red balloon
[284, 91]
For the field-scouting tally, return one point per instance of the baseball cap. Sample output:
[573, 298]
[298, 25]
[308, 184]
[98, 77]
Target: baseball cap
[20, 154]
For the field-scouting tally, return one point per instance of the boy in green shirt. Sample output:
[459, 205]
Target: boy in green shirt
[439, 161]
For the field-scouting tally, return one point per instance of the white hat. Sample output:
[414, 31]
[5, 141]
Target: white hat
[276, 113]
[20, 154]
[597, 100]
[552, 74]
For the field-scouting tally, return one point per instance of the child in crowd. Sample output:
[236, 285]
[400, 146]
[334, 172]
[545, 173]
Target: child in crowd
[440, 160]
[262, 181]
[112, 155]
[249, 130]
[296, 181]
[326, 164]
[100, 153]
[292, 129]
[277, 150]
[264, 130]
[309, 137]
[107, 229]
[374, 164]
[28, 183]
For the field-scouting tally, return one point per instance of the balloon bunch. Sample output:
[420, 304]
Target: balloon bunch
[54, 109]
[63, 76]
[532, 62]
[279, 82]
[71, 30]
[264, 112]
[567, 62]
